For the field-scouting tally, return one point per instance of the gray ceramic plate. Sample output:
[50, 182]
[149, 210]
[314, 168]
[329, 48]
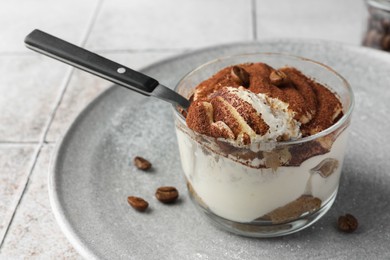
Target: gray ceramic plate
[92, 174]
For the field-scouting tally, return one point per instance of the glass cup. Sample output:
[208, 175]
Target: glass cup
[270, 188]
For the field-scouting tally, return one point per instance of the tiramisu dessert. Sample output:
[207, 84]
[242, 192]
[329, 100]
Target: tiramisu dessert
[247, 151]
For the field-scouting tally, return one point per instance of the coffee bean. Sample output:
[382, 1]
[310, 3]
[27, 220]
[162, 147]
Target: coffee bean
[278, 78]
[240, 76]
[386, 25]
[142, 163]
[372, 39]
[167, 194]
[347, 223]
[376, 25]
[138, 203]
[385, 42]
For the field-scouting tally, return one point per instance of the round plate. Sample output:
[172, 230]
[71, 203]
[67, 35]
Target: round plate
[92, 173]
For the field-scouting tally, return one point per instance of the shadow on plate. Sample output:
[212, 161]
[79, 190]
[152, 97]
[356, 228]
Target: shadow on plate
[362, 194]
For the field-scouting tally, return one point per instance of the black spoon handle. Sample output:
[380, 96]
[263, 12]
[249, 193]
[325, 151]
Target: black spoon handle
[78, 57]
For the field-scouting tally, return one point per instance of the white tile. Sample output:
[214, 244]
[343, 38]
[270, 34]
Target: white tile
[332, 20]
[170, 24]
[29, 86]
[83, 88]
[67, 19]
[15, 163]
[34, 232]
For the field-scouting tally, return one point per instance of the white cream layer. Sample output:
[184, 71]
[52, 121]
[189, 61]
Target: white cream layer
[274, 112]
[240, 193]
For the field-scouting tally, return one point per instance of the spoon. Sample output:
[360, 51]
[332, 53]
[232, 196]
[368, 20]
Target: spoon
[66, 52]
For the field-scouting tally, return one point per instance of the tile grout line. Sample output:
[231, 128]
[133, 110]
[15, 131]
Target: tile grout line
[9, 217]
[91, 23]
[254, 20]
[18, 142]
[17, 53]
[65, 86]
[21, 143]
[42, 141]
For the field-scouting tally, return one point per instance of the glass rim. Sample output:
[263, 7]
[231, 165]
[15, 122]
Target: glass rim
[325, 132]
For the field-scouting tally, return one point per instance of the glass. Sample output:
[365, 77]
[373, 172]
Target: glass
[377, 33]
[249, 191]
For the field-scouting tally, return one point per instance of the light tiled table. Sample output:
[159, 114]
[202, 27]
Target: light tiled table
[39, 97]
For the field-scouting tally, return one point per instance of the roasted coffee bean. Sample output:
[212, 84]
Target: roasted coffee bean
[385, 42]
[386, 25]
[278, 78]
[372, 39]
[167, 194]
[376, 25]
[347, 223]
[240, 76]
[138, 203]
[142, 163]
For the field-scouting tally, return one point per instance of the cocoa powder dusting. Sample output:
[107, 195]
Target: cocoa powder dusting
[315, 106]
